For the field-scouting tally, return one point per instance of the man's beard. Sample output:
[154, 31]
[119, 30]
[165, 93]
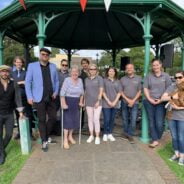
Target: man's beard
[4, 77]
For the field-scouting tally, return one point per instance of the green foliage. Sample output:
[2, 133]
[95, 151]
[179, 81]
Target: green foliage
[12, 49]
[136, 54]
[137, 58]
[166, 152]
[54, 51]
[14, 162]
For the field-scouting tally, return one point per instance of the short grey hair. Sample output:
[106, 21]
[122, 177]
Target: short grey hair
[74, 67]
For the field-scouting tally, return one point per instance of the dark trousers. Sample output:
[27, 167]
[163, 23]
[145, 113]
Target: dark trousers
[177, 133]
[46, 112]
[129, 117]
[109, 116]
[6, 120]
[82, 118]
[156, 118]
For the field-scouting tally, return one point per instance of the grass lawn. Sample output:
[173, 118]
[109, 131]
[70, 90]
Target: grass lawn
[14, 162]
[166, 152]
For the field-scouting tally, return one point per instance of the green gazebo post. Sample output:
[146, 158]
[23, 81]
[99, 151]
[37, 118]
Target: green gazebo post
[147, 37]
[41, 29]
[1, 47]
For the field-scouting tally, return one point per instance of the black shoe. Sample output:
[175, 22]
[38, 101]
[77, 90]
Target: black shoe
[2, 159]
[131, 140]
[124, 137]
[44, 146]
[17, 136]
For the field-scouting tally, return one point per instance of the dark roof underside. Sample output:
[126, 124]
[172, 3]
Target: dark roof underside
[94, 29]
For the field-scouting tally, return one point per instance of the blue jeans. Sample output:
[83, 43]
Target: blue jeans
[109, 116]
[177, 133]
[156, 118]
[129, 116]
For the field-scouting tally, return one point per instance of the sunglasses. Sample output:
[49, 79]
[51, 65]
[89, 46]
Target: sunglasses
[64, 65]
[180, 77]
[92, 69]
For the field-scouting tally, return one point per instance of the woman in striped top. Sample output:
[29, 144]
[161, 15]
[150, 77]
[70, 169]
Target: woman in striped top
[71, 99]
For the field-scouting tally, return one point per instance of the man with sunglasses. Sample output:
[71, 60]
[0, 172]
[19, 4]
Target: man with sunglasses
[42, 87]
[63, 73]
[84, 74]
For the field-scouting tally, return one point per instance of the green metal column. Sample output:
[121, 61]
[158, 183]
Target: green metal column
[147, 37]
[41, 29]
[1, 47]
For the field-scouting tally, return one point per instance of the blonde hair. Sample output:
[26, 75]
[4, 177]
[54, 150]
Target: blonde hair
[94, 65]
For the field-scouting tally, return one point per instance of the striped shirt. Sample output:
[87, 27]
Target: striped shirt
[70, 89]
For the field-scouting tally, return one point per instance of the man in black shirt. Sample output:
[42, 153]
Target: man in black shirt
[9, 93]
[84, 74]
[42, 87]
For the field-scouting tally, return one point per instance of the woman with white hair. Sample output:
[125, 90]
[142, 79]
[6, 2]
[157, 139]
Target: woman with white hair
[71, 99]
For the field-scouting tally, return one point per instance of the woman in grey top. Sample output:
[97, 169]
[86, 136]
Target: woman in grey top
[71, 98]
[111, 95]
[93, 102]
[176, 121]
[155, 85]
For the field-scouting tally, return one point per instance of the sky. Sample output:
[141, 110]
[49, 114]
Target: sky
[86, 53]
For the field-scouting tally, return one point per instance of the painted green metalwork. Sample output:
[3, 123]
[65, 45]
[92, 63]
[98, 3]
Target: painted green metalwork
[61, 23]
[25, 136]
[41, 29]
[1, 46]
[147, 37]
[69, 18]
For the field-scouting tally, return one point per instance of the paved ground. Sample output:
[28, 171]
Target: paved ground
[114, 163]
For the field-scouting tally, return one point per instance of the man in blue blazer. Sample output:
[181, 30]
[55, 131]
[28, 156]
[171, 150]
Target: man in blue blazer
[42, 87]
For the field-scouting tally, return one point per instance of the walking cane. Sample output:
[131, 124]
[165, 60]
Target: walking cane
[62, 128]
[80, 125]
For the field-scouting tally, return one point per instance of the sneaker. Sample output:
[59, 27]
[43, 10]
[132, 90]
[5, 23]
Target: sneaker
[90, 139]
[181, 161]
[111, 138]
[174, 158]
[44, 146]
[105, 137]
[51, 141]
[131, 140]
[97, 140]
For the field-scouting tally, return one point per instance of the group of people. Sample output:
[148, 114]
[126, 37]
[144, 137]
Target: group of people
[45, 87]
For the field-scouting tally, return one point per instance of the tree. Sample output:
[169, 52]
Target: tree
[136, 55]
[54, 51]
[12, 49]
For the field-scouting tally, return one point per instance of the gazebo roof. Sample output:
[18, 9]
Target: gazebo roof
[95, 28]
